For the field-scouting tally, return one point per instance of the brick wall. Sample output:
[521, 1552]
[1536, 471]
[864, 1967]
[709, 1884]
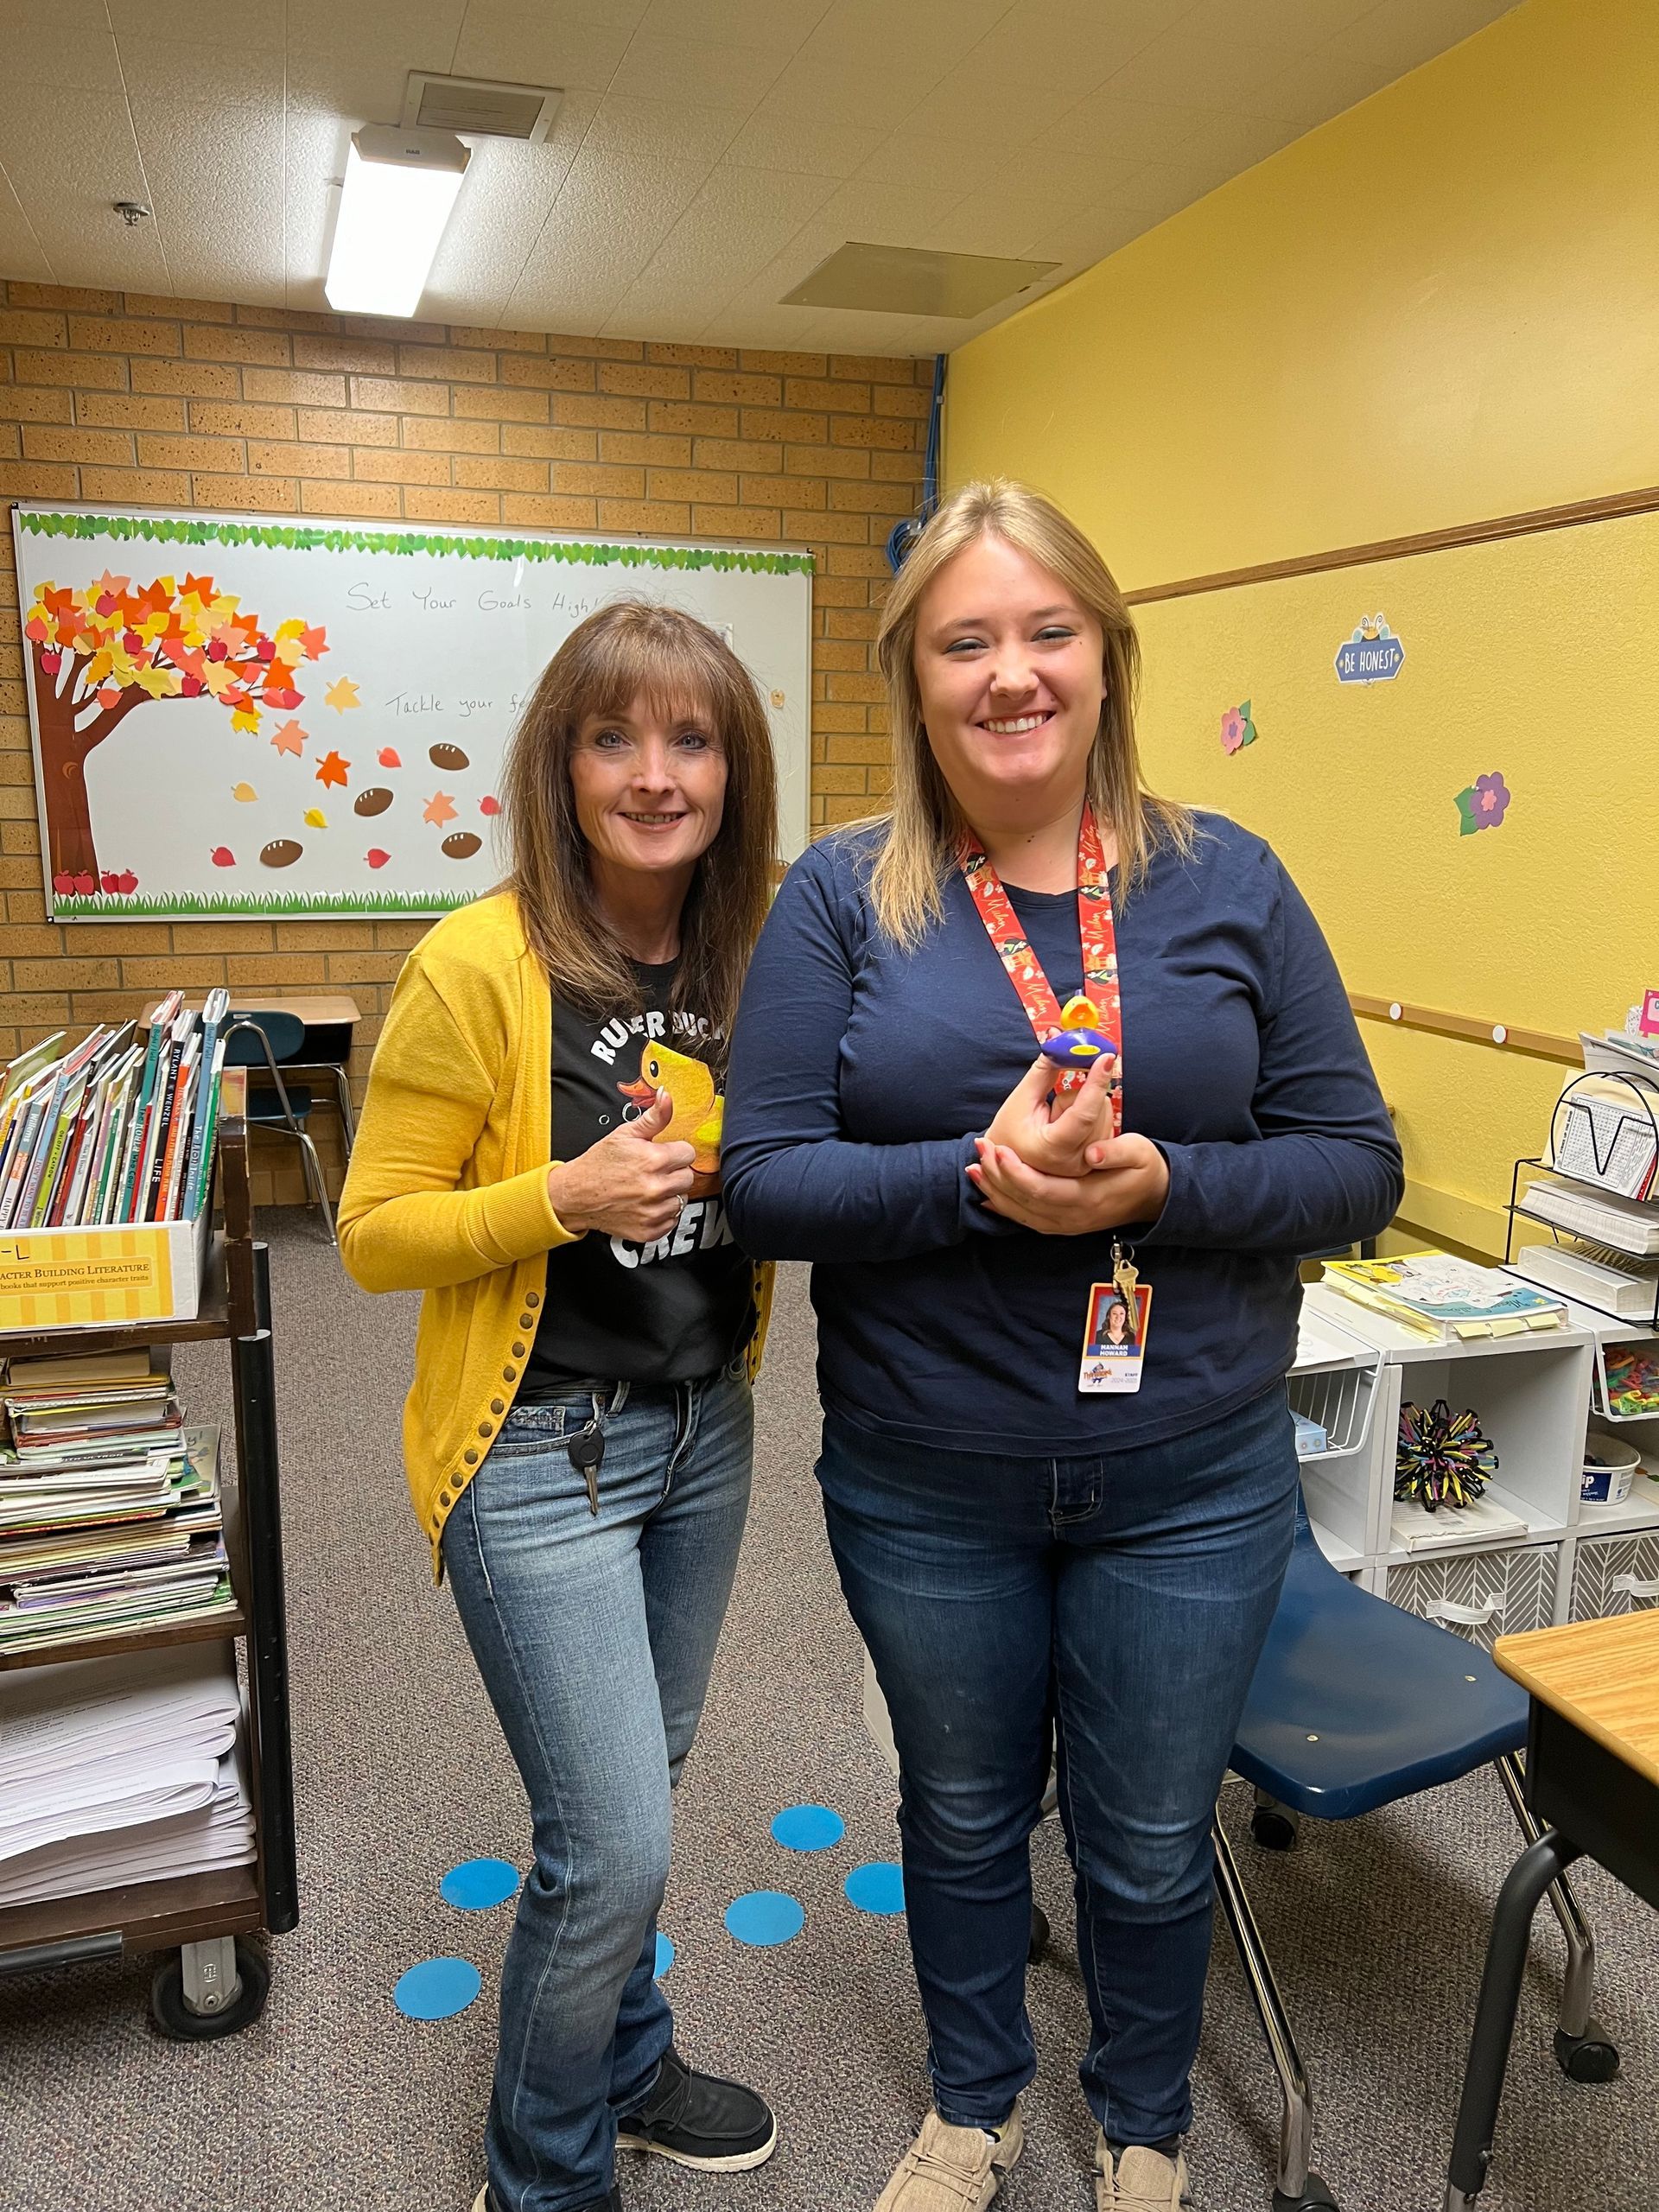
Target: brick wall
[123, 400]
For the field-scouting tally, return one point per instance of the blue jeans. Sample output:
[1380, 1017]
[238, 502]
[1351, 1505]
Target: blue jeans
[594, 1635]
[1114, 1607]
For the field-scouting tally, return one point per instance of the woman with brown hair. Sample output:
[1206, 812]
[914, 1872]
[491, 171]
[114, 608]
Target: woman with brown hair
[1049, 1556]
[539, 1153]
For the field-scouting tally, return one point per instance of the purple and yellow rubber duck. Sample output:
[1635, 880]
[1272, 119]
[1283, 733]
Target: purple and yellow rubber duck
[1079, 1040]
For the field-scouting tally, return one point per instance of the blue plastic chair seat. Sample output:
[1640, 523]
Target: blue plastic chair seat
[266, 1106]
[1356, 1703]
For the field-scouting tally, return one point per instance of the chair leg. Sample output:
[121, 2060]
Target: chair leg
[1297, 2188]
[319, 1188]
[347, 1118]
[1582, 2048]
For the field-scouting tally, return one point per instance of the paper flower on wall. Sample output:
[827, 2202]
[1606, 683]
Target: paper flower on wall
[1237, 730]
[1483, 806]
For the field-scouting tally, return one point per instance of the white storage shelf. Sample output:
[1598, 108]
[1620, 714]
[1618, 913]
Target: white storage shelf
[1535, 1397]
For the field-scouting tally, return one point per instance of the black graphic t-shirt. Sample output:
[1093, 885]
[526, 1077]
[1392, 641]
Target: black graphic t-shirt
[666, 1311]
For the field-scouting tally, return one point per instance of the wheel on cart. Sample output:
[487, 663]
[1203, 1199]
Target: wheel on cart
[182, 2021]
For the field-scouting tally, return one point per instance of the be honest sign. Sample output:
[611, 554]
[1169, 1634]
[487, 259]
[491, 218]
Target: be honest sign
[1372, 655]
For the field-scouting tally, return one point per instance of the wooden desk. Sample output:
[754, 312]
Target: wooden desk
[1592, 1776]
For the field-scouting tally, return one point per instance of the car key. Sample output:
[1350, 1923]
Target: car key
[587, 1450]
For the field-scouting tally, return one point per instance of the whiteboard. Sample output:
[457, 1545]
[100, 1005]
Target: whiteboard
[247, 715]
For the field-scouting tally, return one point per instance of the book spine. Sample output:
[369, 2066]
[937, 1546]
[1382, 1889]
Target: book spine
[147, 1084]
[167, 1087]
[203, 1181]
[212, 1014]
[69, 1170]
[176, 1141]
[48, 1148]
[23, 1152]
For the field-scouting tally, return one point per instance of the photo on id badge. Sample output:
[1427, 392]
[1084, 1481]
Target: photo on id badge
[1114, 1338]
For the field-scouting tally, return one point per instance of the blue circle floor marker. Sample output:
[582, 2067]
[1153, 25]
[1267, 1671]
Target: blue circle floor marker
[764, 1917]
[808, 1828]
[436, 1989]
[877, 1887]
[664, 1955]
[477, 1883]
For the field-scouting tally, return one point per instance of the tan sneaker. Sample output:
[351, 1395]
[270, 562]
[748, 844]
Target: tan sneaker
[953, 2168]
[1146, 2180]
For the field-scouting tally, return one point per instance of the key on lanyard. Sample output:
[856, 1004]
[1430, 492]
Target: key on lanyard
[587, 1450]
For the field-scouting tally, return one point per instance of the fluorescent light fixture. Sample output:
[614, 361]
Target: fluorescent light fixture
[400, 187]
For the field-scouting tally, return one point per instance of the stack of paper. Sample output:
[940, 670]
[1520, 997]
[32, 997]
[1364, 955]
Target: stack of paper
[1445, 1299]
[114, 1771]
[1481, 1520]
[97, 1546]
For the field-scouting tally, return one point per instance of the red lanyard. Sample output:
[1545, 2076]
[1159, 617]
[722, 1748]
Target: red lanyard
[1094, 927]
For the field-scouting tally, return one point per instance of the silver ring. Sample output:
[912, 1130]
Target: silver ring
[679, 1209]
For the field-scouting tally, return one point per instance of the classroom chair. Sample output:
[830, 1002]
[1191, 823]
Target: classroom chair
[265, 1037]
[1356, 1703]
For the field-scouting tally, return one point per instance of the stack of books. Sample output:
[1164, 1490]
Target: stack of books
[1445, 1300]
[119, 1771]
[114, 1130]
[111, 1518]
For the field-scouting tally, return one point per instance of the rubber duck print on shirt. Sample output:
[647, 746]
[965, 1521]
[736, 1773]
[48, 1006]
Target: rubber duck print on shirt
[699, 1109]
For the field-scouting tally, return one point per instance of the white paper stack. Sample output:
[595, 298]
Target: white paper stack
[118, 1771]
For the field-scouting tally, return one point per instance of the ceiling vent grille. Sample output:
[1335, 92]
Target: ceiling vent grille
[474, 108]
[913, 280]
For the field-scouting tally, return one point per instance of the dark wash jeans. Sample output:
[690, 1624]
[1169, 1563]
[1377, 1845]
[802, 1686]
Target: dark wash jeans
[595, 1635]
[1109, 1609]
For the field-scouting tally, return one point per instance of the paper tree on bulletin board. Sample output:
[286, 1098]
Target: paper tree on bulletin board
[100, 651]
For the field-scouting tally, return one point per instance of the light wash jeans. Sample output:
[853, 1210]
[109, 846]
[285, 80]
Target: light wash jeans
[594, 1635]
[1112, 1607]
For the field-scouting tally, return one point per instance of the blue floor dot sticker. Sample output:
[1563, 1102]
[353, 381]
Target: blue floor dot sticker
[808, 1828]
[664, 1955]
[764, 1917]
[877, 1887]
[478, 1884]
[436, 1989]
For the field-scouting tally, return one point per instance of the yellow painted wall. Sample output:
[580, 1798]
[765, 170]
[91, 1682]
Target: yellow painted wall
[1441, 306]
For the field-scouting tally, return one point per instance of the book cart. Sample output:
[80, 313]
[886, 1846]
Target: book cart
[214, 1978]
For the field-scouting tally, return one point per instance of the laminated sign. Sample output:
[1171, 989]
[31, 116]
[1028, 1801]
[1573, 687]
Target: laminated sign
[1372, 655]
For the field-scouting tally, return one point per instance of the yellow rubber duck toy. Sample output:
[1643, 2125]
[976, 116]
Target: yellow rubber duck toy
[699, 1109]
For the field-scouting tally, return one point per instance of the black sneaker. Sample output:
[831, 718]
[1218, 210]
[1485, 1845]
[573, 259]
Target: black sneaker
[697, 2119]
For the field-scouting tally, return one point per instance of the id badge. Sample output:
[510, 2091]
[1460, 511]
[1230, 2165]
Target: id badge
[1115, 1334]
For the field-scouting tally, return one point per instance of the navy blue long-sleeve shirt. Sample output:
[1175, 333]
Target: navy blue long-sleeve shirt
[860, 1074]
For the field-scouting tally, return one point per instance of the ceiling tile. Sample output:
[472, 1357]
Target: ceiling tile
[66, 180]
[358, 88]
[738, 221]
[787, 330]
[1402, 34]
[509, 192]
[854, 330]
[606, 224]
[776, 142]
[874, 36]
[680, 69]
[1011, 81]
[627, 130]
[237, 26]
[1288, 27]
[515, 47]
[216, 160]
[202, 75]
[67, 49]
[1135, 130]
[421, 32]
[778, 26]
[314, 142]
[1185, 70]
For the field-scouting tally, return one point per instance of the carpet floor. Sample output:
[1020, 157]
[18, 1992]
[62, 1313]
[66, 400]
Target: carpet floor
[334, 2103]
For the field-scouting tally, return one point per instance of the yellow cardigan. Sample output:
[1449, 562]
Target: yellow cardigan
[447, 1191]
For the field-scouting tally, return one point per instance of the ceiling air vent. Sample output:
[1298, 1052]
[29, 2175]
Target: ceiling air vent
[475, 109]
[912, 280]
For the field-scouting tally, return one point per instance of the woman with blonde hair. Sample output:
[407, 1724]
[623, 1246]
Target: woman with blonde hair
[1049, 1557]
[539, 1153]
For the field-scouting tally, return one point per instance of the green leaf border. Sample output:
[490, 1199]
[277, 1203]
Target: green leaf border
[301, 537]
